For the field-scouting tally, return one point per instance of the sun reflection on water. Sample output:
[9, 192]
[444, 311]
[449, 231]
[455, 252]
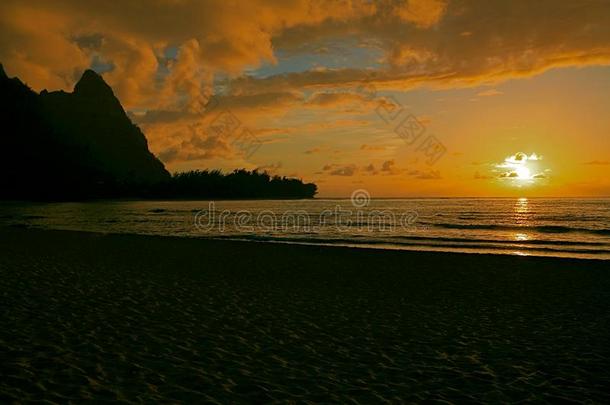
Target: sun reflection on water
[521, 237]
[521, 211]
[521, 218]
[522, 206]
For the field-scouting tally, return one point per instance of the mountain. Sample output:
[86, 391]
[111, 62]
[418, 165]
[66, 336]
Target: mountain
[82, 145]
[77, 145]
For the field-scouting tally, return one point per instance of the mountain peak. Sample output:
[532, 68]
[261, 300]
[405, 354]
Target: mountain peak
[2, 72]
[92, 84]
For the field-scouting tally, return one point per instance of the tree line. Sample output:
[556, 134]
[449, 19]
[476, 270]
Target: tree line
[240, 183]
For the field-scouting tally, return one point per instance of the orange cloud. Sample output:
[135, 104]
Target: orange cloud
[489, 93]
[423, 41]
[423, 13]
[215, 45]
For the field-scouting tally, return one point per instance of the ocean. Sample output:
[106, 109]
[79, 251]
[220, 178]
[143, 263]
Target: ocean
[566, 227]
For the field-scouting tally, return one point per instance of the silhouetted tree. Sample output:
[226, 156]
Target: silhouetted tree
[239, 183]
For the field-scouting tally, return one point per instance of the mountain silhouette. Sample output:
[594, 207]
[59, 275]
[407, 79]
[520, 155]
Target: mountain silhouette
[77, 145]
[82, 145]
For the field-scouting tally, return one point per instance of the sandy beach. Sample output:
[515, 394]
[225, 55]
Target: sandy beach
[140, 319]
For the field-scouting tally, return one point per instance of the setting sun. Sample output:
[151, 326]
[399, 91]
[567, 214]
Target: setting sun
[523, 173]
[521, 170]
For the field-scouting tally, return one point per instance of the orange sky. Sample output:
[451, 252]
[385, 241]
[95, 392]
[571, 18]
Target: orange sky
[515, 93]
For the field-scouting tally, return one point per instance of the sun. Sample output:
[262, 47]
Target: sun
[523, 173]
[522, 169]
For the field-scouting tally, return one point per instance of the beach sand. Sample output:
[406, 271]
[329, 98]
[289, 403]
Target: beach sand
[140, 319]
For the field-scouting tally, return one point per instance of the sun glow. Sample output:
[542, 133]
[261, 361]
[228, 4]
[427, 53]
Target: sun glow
[521, 169]
[523, 173]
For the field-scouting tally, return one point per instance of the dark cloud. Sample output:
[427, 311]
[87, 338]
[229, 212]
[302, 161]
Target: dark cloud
[337, 170]
[389, 167]
[372, 147]
[509, 175]
[313, 150]
[479, 176]
[425, 174]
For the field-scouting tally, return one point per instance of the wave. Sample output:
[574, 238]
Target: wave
[516, 246]
[550, 218]
[538, 228]
[499, 241]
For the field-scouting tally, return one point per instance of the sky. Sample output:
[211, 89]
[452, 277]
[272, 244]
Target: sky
[402, 98]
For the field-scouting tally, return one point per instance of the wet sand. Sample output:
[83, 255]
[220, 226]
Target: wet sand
[140, 319]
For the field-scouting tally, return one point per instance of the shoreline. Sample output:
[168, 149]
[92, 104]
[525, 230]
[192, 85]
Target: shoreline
[383, 246]
[156, 318]
[367, 246]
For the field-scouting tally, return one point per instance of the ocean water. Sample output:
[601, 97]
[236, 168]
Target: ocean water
[578, 228]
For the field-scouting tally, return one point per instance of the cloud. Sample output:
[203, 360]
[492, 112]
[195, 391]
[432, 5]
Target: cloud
[489, 93]
[313, 150]
[479, 176]
[425, 174]
[271, 100]
[188, 82]
[169, 155]
[35, 48]
[389, 167]
[521, 168]
[188, 141]
[505, 40]
[168, 57]
[518, 159]
[597, 163]
[168, 130]
[386, 168]
[370, 169]
[163, 117]
[46, 44]
[423, 13]
[205, 146]
[338, 170]
[338, 99]
[509, 175]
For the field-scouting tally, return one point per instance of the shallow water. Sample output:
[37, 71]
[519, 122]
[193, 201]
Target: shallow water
[578, 228]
